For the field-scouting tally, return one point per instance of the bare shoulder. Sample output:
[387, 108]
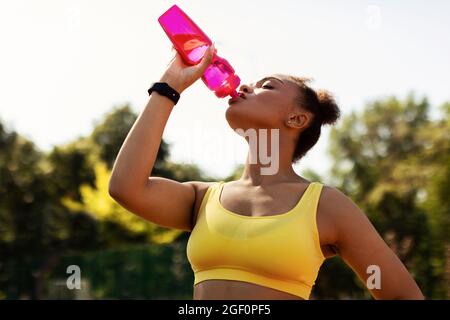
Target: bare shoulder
[333, 195]
[334, 210]
[336, 204]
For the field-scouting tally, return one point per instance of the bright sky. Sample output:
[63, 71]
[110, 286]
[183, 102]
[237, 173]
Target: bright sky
[64, 63]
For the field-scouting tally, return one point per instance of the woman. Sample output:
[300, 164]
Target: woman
[263, 236]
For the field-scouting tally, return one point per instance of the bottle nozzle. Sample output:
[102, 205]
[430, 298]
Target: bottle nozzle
[234, 94]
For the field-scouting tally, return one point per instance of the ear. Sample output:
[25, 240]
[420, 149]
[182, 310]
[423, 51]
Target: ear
[298, 120]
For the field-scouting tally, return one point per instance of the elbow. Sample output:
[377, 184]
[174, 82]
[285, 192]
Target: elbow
[116, 189]
[120, 184]
[113, 189]
[122, 191]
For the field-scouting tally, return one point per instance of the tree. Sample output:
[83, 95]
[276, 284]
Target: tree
[34, 226]
[385, 159]
[111, 131]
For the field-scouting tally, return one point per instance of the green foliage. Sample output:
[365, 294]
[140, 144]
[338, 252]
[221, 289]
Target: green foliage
[57, 204]
[33, 224]
[70, 168]
[390, 158]
[393, 161]
[110, 133]
[131, 272]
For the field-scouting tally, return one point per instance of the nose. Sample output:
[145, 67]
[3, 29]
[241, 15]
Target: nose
[245, 88]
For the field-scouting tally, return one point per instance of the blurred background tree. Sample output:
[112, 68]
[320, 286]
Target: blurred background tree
[390, 158]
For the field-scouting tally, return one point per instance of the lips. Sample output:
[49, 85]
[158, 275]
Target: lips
[232, 100]
[241, 96]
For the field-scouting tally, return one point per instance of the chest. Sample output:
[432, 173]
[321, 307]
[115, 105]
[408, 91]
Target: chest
[257, 203]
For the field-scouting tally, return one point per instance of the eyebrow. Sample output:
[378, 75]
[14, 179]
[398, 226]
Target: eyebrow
[267, 78]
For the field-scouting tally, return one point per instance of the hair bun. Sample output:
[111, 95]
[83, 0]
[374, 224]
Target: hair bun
[329, 110]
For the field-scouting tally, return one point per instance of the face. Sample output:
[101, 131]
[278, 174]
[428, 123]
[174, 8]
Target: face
[265, 104]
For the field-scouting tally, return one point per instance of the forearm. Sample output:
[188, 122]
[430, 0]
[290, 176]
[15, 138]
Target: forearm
[410, 296]
[137, 155]
[409, 290]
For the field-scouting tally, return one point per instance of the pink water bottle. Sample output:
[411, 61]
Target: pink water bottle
[191, 42]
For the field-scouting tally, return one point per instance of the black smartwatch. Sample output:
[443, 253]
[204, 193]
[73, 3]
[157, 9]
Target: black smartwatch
[164, 89]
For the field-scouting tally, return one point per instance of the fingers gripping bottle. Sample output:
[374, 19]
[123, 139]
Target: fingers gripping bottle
[191, 42]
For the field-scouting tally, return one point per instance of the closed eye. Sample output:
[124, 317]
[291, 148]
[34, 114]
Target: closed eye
[267, 86]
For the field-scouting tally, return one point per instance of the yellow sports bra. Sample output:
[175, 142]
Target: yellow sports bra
[279, 251]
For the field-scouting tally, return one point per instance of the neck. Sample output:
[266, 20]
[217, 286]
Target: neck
[269, 159]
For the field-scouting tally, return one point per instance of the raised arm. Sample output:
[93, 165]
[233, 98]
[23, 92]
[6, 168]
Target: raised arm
[162, 201]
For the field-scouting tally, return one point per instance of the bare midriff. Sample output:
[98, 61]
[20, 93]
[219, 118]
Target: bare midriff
[238, 290]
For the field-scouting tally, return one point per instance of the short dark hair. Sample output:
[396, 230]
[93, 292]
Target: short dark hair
[319, 102]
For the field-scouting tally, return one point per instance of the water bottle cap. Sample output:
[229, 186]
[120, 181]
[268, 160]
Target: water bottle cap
[234, 94]
[229, 87]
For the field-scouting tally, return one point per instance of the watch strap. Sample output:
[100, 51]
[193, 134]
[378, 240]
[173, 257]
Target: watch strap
[163, 88]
